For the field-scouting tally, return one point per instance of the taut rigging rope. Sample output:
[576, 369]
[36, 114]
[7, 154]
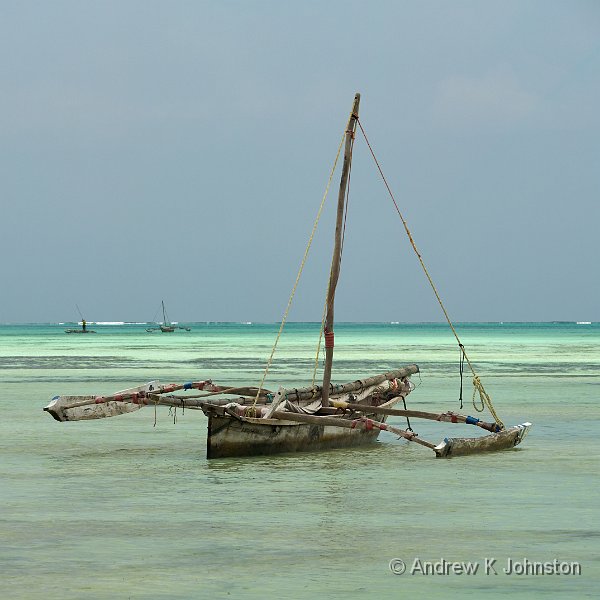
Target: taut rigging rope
[485, 399]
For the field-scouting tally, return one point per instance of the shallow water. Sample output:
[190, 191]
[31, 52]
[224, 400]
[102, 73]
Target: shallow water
[120, 508]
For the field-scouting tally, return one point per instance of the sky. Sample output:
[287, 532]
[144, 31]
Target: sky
[180, 151]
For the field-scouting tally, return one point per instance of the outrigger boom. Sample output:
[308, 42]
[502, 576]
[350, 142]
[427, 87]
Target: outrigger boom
[357, 418]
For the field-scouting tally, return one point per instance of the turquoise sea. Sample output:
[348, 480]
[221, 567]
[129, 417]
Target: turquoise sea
[120, 508]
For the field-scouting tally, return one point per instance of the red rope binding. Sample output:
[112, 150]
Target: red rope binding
[328, 339]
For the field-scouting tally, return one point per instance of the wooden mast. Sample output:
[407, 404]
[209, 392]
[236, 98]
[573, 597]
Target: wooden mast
[337, 251]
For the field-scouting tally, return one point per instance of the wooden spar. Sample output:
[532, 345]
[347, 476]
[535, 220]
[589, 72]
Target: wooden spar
[196, 385]
[448, 417]
[309, 393]
[153, 397]
[361, 423]
[277, 400]
[238, 391]
[77, 408]
[337, 251]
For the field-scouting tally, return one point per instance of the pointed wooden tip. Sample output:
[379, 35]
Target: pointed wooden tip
[356, 103]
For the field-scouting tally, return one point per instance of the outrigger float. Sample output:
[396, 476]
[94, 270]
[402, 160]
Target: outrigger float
[244, 421]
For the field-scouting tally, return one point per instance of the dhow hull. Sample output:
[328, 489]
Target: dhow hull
[251, 437]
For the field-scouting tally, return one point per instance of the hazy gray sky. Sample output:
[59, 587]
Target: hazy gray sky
[179, 150]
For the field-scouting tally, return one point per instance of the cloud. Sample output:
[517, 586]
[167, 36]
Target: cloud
[496, 98]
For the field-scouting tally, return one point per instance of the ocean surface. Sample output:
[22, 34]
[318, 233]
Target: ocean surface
[124, 508]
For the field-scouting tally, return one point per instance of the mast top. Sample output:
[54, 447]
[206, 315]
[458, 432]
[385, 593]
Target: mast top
[337, 251]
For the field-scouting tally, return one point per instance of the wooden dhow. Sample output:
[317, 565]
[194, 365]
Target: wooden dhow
[243, 427]
[245, 421]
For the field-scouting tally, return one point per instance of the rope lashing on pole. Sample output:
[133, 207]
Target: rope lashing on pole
[316, 365]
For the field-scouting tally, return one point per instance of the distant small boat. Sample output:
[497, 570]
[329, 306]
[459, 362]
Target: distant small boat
[584, 322]
[83, 329]
[165, 326]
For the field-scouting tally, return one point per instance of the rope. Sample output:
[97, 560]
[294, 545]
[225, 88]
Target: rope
[485, 400]
[484, 396]
[408, 428]
[310, 240]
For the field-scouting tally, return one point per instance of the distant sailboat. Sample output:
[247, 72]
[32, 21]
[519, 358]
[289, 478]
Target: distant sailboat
[165, 326]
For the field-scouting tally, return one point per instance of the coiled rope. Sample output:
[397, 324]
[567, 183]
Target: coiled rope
[484, 397]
